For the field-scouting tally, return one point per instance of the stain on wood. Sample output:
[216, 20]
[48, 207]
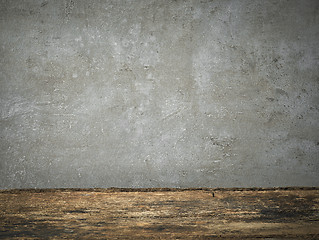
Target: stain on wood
[159, 213]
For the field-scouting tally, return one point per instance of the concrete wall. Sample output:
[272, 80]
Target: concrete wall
[156, 93]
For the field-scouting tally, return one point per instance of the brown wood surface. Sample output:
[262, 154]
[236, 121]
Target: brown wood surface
[160, 213]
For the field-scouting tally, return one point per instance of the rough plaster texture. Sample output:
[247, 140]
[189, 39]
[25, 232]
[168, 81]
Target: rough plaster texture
[159, 93]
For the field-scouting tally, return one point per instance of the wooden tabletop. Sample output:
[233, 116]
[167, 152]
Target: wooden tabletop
[159, 213]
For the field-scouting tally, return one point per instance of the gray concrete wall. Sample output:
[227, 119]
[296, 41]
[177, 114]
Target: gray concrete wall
[156, 93]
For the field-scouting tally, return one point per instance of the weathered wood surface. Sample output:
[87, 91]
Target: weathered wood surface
[160, 213]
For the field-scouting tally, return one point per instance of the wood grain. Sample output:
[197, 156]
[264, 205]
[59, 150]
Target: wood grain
[159, 213]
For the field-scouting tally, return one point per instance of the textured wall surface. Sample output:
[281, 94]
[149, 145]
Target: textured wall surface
[154, 93]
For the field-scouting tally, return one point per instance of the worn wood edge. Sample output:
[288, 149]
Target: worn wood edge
[114, 189]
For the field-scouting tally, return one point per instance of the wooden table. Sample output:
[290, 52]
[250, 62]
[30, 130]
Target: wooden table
[159, 213]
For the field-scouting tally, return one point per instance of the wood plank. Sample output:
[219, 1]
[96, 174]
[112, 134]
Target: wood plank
[159, 213]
